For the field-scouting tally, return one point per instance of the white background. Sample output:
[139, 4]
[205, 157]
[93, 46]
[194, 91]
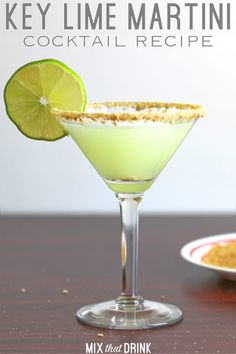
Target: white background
[41, 177]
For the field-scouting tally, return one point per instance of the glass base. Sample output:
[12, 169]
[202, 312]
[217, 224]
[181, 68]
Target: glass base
[120, 315]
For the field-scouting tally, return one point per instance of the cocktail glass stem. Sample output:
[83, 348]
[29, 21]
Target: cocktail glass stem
[129, 310]
[129, 205]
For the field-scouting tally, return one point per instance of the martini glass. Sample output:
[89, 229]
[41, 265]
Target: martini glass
[129, 144]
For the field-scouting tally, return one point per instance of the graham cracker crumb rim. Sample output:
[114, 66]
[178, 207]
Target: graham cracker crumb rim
[143, 111]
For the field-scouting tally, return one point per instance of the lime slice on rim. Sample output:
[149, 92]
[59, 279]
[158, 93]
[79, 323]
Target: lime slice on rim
[36, 88]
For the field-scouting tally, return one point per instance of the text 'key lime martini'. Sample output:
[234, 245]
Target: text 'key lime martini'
[129, 144]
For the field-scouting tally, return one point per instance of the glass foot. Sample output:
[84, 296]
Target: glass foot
[118, 315]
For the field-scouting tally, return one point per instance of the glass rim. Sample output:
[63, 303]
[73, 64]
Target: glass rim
[134, 111]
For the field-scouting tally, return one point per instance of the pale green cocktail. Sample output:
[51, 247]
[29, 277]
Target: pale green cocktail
[129, 144]
[128, 154]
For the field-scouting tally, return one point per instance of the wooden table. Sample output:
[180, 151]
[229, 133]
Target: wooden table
[50, 266]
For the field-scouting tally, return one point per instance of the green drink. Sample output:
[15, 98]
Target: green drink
[128, 154]
[129, 144]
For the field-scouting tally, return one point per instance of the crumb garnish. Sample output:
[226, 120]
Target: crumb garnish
[23, 290]
[100, 335]
[163, 297]
[135, 111]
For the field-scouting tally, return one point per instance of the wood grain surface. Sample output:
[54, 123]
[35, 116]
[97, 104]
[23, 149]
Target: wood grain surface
[50, 266]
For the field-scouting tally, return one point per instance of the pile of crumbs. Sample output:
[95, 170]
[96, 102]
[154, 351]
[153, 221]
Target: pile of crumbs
[222, 255]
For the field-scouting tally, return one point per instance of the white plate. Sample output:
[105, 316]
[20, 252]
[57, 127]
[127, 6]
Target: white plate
[194, 251]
